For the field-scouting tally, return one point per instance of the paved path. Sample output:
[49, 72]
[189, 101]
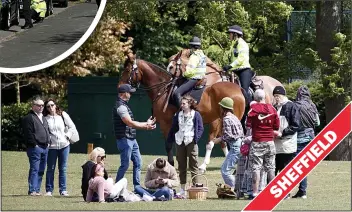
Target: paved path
[46, 40]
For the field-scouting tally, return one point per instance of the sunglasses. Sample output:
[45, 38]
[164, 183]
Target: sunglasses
[51, 105]
[102, 157]
[39, 105]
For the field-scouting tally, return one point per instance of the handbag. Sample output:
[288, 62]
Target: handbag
[75, 137]
[245, 149]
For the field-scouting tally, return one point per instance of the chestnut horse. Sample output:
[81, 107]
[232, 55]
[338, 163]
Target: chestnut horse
[182, 58]
[157, 82]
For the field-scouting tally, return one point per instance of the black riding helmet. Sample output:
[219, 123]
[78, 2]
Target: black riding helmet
[195, 43]
[236, 29]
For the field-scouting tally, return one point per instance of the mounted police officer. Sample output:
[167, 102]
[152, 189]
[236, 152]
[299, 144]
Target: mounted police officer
[238, 57]
[195, 70]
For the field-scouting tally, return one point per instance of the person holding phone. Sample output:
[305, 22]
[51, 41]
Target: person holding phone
[160, 180]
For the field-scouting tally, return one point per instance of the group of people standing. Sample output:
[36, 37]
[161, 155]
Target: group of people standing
[278, 133]
[48, 132]
[275, 134]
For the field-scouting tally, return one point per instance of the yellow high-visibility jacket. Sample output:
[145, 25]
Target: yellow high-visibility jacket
[196, 67]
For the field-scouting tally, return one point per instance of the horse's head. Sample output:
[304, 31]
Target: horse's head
[178, 62]
[131, 73]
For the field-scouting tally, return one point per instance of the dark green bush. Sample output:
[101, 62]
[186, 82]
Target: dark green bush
[11, 129]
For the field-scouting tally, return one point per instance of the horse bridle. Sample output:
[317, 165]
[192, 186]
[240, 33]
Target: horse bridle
[134, 73]
[178, 63]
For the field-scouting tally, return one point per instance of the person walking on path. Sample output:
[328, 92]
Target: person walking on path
[27, 13]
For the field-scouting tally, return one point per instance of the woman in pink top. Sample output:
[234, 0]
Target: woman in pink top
[104, 188]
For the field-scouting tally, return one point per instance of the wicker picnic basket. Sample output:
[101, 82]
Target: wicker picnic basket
[198, 193]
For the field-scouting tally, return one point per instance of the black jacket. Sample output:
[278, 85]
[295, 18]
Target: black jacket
[86, 168]
[290, 111]
[35, 132]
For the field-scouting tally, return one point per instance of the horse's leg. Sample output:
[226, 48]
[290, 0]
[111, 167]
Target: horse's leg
[165, 128]
[214, 131]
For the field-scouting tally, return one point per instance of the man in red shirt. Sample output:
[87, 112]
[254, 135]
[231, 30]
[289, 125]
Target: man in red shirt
[264, 122]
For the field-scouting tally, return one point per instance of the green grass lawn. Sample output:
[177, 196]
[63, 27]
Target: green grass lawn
[329, 188]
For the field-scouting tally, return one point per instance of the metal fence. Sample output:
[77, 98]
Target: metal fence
[304, 22]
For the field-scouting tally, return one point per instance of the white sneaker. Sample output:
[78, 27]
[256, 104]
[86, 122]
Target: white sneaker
[147, 198]
[49, 194]
[202, 168]
[182, 193]
[64, 193]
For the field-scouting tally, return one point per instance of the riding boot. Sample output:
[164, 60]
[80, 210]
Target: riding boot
[177, 99]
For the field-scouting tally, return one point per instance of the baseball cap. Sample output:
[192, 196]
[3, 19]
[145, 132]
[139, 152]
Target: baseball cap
[126, 88]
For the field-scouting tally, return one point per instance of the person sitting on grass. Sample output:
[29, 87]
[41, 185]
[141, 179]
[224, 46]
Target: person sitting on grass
[104, 188]
[97, 156]
[160, 179]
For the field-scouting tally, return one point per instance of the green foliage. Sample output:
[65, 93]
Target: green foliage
[11, 130]
[154, 27]
[339, 82]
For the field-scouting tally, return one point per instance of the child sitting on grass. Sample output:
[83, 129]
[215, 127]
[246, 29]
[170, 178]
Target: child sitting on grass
[104, 188]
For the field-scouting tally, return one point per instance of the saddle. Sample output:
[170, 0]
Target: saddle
[201, 83]
[256, 83]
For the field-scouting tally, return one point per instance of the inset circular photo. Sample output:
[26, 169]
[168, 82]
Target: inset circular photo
[36, 34]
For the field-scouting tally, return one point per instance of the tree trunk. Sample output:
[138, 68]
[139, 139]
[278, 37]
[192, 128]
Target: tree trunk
[18, 94]
[328, 23]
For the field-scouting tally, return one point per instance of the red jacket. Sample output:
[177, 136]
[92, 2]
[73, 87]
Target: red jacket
[263, 120]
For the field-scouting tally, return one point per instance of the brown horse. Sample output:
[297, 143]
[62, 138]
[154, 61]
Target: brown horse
[182, 57]
[157, 83]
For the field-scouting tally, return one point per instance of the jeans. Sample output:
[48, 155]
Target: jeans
[304, 183]
[129, 150]
[61, 155]
[230, 162]
[37, 161]
[166, 191]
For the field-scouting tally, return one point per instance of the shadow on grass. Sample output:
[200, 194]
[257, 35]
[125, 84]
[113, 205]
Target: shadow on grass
[24, 195]
[226, 199]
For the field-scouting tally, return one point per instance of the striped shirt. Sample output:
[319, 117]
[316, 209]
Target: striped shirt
[231, 128]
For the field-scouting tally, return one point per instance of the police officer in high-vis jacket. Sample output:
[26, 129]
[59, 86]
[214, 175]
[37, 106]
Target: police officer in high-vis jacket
[238, 57]
[38, 10]
[195, 70]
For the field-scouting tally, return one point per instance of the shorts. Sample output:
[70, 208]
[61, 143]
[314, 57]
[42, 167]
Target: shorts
[262, 155]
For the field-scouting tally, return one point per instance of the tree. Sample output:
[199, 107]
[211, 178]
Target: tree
[328, 24]
[17, 81]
